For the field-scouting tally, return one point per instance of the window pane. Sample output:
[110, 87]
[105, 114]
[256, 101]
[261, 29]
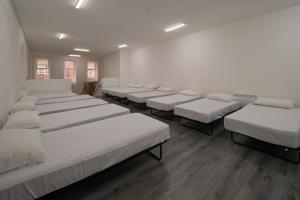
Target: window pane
[92, 65]
[42, 69]
[70, 71]
[92, 71]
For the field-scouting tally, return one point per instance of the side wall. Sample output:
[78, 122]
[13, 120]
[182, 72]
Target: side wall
[258, 55]
[14, 58]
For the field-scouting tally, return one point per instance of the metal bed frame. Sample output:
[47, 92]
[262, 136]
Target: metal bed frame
[208, 126]
[138, 105]
[283, 149]
[148, 152]
[120, 99]
[169, 114]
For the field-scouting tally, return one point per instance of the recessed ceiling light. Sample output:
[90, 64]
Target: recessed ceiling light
[79, 4]
[174, 27]
[122, 46]
[75, 55]
[83, 50]
[61, 36]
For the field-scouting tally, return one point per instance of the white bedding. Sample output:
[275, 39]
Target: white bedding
[167, 103]
[123, 92]
[75, 153]
[56, 121]
[64, 99]
[143, 96]
[206, 110]
[65, 106]
[53, 94]
[273, 125]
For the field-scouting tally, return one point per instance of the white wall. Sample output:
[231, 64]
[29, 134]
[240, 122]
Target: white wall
[124, 67]
[117, 65]
[14, 55]
[111, 65]
[259, 55]
[56, 67]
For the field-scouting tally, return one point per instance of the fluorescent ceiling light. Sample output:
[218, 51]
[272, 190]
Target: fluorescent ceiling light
[122, 46]
[79, 4]
[174, 27]
[61, 36]
[75, 55]
[83, 50]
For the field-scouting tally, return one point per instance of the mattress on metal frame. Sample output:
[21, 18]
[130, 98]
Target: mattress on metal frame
[167, 103]
[143, 96]
[65, 106]
[64, 99]
[75, 153]
[61, 120]
[53, 94]
[206, 110]
[269, 124]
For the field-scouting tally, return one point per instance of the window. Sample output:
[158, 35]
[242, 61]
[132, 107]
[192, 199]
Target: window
[70, 71]
[92, 71]
[42, 69]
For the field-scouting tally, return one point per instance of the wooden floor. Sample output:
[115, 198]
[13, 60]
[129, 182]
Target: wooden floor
[195, 166]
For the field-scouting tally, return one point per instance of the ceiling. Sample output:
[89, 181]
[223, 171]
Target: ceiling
[101, 25]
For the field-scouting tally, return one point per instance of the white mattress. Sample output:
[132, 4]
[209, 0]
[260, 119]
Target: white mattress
[273, 125]
[75, 153]
[65, 106]
[123, 92]
[106, 89]
[53, 94]
[206, 110]
[167, 103]
[143, 96]
[64, 99]
[57, 121]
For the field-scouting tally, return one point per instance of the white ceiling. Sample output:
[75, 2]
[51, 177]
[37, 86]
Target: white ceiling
[102, 25]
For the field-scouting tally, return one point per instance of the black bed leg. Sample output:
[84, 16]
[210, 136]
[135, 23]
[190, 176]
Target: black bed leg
[159, 158]
[299, 156]
[232, 136]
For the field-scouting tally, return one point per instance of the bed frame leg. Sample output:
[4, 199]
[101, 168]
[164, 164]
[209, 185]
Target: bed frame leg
[211, 128]
[232, 136]
[281, 157]
[160, 156]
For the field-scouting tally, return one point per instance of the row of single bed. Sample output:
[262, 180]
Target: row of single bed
[81, 135]
[273, 121]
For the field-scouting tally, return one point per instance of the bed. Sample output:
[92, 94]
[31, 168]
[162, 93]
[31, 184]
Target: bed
[64, 99]
[166, 104]
[272, 125]
[90, 149]
[53, 94]
[123, 92]
[65, 106]
[57, 121]
[142, 97]
[206, 111]
[106, 89]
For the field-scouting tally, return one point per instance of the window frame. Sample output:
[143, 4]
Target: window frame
[37, 69]
[74, 79]
[96, 71]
